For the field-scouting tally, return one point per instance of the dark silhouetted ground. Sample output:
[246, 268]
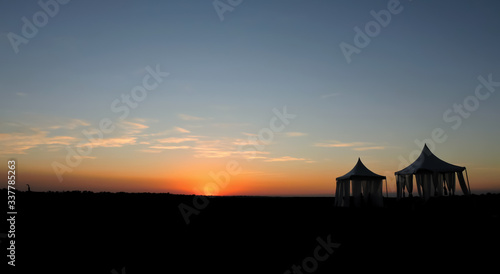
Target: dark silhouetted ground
[83, 232]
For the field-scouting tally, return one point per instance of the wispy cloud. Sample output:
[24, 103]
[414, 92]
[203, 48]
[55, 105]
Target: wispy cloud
[181, 130]
[213, 148]
[285, 159]
[218, 148]
[295, 134]
[224, 147]
[201, 146]
[334, 143]
[133, 125]
[253, 155]
[19, 143]
[176, 140]
[71, 124]
[130, 128]
[358, 146]
[112, 142]
[169, 147]
[171, 131]
[241, 142]
[19, 137]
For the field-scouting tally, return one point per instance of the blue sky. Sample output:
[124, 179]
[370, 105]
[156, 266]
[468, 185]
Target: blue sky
[225, 78]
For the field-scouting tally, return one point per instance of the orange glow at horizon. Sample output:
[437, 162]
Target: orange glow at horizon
[202, 177]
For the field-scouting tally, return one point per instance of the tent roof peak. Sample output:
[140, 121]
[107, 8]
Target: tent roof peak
[360, 171]
[428, 162]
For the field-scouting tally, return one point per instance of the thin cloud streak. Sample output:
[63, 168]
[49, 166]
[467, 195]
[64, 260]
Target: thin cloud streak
[72, 124]
[285, 159]
[295, 134]
[170, 147]
[357, 146]
[19, 143]
[111, 142]
[176, 140]
[334, 143]
[181, 130]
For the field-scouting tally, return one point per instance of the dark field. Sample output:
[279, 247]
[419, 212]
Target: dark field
[75, 232]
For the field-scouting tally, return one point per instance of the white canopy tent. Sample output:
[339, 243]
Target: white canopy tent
[365, 184]
[434, 177]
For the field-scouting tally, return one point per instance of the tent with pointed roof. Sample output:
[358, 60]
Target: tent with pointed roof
[365, 184]
[434, 177]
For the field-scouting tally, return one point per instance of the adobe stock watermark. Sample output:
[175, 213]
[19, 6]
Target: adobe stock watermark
[221, 179]
[455, 116]
[123, 105]
[49, 9]
[320, 254]
[223, 6]
[362, 37]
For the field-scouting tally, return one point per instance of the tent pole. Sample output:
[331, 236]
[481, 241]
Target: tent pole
[397, 189]
[468, 185]
[386, 192]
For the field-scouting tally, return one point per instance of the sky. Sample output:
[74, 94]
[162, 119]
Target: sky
[238, 97]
